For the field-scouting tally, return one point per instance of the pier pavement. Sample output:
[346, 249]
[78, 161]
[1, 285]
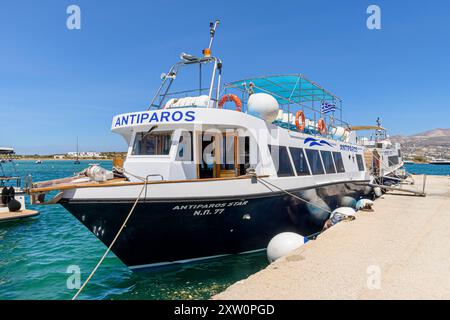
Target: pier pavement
[401, 250]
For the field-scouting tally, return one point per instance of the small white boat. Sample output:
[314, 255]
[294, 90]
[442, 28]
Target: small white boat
[77, 160]
[12, 196]
[441, 162]
[38, 162]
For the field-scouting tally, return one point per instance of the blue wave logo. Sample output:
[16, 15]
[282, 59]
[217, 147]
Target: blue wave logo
[316, 142]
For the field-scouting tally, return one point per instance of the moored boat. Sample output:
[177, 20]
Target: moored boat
[441, 162]
[383, 158]
[211, 179]
[12, 204]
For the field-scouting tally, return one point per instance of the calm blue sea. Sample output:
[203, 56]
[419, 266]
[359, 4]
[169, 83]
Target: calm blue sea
[35, 255]
[430, 169]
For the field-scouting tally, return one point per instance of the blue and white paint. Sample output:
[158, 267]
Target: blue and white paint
[316, 142]
[155, 117]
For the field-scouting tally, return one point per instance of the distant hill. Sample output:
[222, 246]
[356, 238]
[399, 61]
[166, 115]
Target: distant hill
[433, 133]
[431, 138]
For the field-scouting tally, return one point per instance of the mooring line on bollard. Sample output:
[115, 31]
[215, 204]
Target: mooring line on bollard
[112, 243]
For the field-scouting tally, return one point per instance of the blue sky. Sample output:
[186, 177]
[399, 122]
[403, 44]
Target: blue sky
[56, 84]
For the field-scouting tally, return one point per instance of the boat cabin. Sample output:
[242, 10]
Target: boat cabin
[283, 125]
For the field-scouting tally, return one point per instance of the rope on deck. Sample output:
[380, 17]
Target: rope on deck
[112, 243]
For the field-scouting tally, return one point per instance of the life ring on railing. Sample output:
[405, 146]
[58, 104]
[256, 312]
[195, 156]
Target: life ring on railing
[322, 126]
[231, 97]
[297, 123]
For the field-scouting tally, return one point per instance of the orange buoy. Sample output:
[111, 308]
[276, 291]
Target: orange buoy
[297, 123]
[231, 97]
[321, 125]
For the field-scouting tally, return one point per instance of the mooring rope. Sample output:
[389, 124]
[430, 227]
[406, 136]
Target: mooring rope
[311, 236]
[293, 195]
[112, 243]
[136, 202]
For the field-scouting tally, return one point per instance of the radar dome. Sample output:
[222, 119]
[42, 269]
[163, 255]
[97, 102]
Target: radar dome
[263, 106]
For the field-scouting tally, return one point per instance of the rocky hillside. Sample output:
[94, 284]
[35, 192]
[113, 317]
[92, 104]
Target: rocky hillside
[426, 145]
[431, 138]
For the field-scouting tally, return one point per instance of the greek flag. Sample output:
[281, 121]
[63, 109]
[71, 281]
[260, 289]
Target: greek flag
[327, 107]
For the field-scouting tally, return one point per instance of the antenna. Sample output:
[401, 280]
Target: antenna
[212, 32]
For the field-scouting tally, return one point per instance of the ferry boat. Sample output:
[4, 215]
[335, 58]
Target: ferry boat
[218, 170]
[382, 157]
[441, 162]
[12, 204]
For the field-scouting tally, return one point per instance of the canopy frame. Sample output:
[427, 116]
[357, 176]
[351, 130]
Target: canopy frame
[293, 92]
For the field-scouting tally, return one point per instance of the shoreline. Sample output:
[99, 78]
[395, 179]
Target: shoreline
[52, 159]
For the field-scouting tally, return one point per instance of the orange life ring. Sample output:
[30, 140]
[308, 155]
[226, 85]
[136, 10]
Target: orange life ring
[297, 123]
[231, 97]
[321, 125]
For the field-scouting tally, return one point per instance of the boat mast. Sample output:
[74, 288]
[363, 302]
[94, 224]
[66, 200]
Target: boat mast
[187, 59]
[217, 64]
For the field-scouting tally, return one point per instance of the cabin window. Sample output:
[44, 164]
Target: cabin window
[328, 162]
[399, 153]
[314, 161]
[300, 162]
[338, 162]
[393, 160]
[281, 161]
[185, 147]
[360, 162]
[227, 152]
[152, 143]
[244, 155]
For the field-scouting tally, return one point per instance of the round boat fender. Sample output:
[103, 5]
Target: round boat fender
[282, 244]
[14, 205]
[5, 195]
[298, 115]
[231, 97]
[322, 126]
[12, 194]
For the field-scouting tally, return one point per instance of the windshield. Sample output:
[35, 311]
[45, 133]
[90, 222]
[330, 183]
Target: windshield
[152, 144]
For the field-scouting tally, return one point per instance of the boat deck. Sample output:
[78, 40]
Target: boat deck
[10, 216]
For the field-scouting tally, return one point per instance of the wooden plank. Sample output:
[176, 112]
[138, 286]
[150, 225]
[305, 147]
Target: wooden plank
[125, 183]
[415, 192]
[10, 216]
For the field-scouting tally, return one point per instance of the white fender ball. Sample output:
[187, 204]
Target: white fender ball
[364, 204]
[347, 201]
[264, 106]
[346, 211]
[340, 214]
[377, 191]
[282, 244]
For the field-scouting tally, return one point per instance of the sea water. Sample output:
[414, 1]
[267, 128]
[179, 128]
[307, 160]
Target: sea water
[38, 257]
[36, 254]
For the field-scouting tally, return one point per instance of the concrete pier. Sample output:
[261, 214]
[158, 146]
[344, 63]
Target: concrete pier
[399, 251]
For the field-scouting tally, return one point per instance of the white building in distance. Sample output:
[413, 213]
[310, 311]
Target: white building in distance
[89, 154]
